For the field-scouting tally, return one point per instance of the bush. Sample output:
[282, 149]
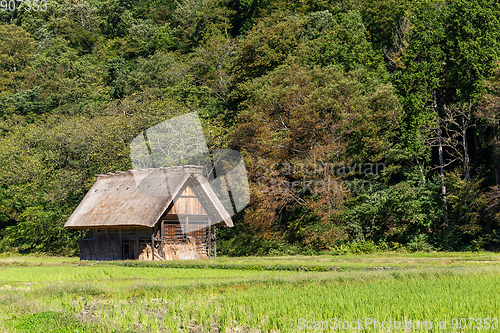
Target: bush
[420, 243]
[396, 213]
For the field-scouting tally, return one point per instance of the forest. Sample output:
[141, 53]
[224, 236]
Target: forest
[364, 124]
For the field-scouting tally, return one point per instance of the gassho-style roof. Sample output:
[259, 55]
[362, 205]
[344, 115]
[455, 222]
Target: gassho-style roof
[141, 197]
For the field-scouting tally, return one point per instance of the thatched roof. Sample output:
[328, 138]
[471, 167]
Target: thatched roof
[140, 198]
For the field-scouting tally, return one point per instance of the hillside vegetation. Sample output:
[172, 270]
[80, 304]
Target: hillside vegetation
[365, 125]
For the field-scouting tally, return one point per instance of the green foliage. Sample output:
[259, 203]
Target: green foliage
[267, 46]
[418, 59]
[194, 18]
[441, 52]
[116, 78]
[383, 18]
[212, 62]
[467, 205]
[420, 243]
[242, 241]
[25, 102]
[16, 48]
[472, 32]
[298, 115]
[37, 232]
[319, 38]
[49, 321]
[159, 71]
[16, 52]
[401, 213]
[341, 40]
[363, 247]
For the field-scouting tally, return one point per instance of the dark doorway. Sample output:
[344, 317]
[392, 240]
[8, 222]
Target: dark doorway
[126, 253]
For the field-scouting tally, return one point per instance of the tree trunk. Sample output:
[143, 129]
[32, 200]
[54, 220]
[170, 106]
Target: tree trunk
[497, 172]
[441, 165]
[443, 186]
[466, 148]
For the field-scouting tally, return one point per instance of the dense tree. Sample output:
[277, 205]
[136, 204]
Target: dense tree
[16, 52]
[314, 118]
[489, 113]
[212, 60]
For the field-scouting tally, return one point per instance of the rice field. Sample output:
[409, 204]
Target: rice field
[388, 292]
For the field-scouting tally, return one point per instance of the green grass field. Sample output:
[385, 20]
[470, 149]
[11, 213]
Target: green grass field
[254, 294]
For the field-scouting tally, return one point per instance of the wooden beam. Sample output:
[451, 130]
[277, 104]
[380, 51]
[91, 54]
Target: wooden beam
[209, 241]
[121, 246]
[153, 245]
[136, 256]
[162, 234]
[215, 243]
[159, 256]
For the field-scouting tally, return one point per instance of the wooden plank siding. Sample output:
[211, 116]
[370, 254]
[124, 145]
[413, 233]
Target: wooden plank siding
[174, 234]
[187, 204]
[125, 232]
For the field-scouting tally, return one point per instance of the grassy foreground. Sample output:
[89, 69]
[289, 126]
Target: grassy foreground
[47, 294]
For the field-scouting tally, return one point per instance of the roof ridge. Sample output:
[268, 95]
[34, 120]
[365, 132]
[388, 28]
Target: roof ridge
[188, 168]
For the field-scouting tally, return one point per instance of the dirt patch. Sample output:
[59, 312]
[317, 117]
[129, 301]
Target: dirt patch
[90, 313]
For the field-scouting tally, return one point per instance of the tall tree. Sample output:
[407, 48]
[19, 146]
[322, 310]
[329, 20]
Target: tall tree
[16, 52]
[298, 124]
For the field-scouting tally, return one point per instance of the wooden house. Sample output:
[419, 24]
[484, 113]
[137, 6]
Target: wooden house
[152, 214]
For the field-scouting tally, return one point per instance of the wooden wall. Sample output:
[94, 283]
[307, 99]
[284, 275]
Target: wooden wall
[187, 203]
[100, 249]
[107, 243]
[123, 232]
[127, 243]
